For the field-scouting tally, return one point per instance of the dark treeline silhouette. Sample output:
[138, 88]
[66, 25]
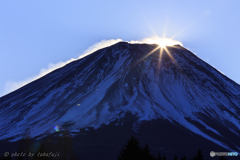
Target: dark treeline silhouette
[133, 150]
[63, 144]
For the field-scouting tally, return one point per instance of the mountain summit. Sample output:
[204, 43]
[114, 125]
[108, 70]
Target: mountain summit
[176, 93]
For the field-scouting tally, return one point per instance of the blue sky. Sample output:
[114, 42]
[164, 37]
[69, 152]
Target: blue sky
[36, 34]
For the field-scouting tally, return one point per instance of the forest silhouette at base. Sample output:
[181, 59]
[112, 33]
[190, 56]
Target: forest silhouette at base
[132, 150]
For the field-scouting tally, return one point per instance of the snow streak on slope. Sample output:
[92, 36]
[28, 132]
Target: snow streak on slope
[104, 86]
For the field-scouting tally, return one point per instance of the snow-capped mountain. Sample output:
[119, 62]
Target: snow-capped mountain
[104, 86]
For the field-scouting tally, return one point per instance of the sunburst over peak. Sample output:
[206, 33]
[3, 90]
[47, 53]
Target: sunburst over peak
[162, 42]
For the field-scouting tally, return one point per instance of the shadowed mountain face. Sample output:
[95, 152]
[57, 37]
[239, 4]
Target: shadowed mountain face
[100, 89]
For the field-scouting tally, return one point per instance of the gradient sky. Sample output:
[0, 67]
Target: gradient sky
[34, 34]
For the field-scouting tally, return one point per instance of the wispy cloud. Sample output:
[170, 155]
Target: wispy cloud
[13, 85]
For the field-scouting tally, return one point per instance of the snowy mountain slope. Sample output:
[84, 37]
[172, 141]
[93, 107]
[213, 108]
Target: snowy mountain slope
[104, 86]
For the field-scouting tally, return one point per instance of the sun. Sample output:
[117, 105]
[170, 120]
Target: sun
[162, 45]
[162, 42]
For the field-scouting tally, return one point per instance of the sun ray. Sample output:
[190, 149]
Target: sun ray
[164, 34]
[169, 54]
[171, 57]
[141, 59]
[163, 44]
[181, 31]
[149, 53]
[160, 59]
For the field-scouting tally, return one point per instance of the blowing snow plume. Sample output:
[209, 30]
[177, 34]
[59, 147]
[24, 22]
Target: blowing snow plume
[13, 85]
